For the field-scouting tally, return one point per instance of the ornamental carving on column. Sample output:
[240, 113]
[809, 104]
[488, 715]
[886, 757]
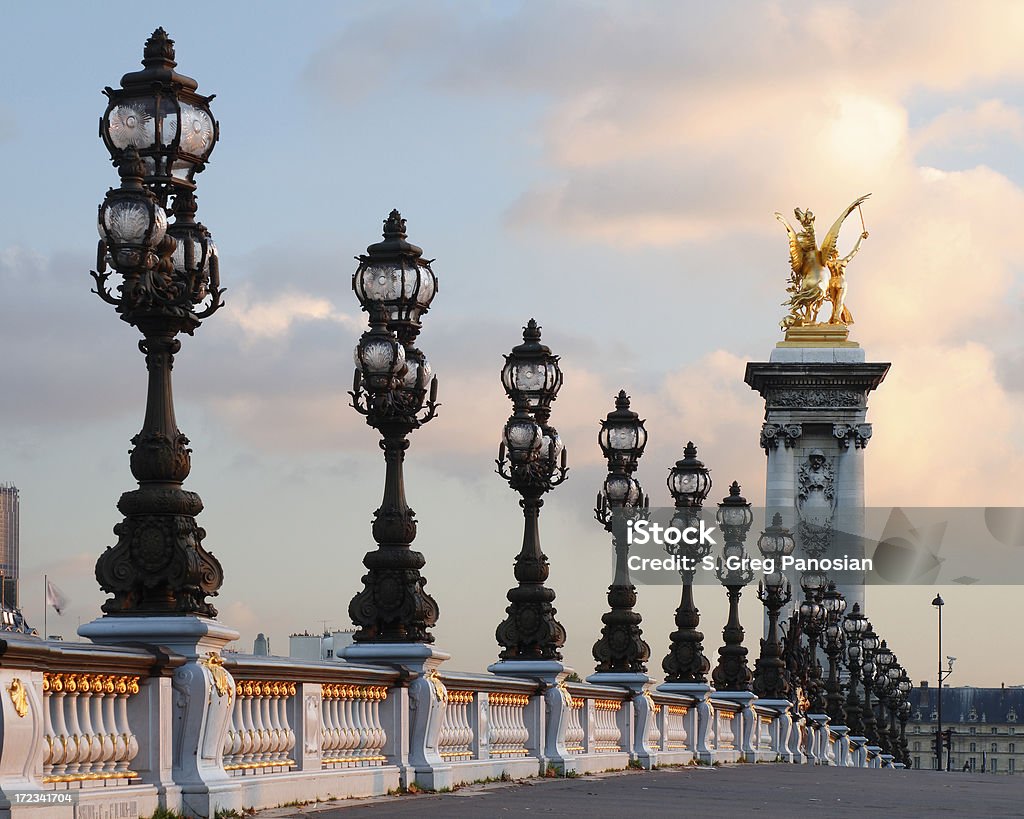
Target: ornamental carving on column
[815, 502]
[772, 434]
[860, 434]
[815, 398]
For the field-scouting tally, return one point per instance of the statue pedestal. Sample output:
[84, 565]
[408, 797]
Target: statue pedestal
[815, 433]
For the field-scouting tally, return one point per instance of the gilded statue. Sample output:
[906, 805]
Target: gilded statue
[818, 273]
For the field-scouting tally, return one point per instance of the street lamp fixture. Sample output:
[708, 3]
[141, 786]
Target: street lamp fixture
[689, 481]
[533, 461]
[812, 615]
[834, 638]
[160, 133]
[854, 626]
[869, 643]
[395, 390]
[734, 519]
[622, 439]
[938, 602]
[770, 678]
[158, 114]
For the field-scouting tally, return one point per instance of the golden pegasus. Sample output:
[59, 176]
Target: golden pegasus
[818, 273]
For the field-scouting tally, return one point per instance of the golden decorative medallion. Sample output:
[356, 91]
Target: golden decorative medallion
[19, 696]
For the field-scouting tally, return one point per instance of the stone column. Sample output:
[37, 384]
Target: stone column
[815, 395]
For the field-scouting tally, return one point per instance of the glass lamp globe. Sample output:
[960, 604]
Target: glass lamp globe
[158, 113]
[689, 480]
[531, 372]
[394, 278]
[776, 541]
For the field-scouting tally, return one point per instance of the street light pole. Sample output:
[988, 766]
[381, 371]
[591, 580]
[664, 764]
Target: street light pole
[160, 133]
[938, 603]
[395, 390]
[943, 673]
[622, 648]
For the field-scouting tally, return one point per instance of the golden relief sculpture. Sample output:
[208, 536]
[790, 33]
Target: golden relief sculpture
[19, 697]
[818, 274]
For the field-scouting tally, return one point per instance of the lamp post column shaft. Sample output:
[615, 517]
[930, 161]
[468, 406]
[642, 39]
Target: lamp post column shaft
[939, 741]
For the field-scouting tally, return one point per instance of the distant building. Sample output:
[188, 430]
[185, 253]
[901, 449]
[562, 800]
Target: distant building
[261, 645]
[326, 646]
[11, 618]
[9, 545]
[987, 732]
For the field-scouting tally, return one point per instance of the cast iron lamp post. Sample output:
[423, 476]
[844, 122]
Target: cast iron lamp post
[938, 602]
[734, 519]
[536, 464]
[395, 285]
[884, 660]
[869, 645]
[812, 623]
[835, 607]
[905, 687]
[770, 678]
[689, 481]
[854, 625]
[160, 133]
[622, 438]
[892, 704]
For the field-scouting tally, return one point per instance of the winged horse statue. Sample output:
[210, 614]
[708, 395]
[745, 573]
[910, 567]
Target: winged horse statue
[818, 273]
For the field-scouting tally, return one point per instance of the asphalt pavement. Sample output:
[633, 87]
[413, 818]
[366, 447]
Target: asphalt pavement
[764, 790]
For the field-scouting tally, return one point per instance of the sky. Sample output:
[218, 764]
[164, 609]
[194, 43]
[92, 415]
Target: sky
[608, 168]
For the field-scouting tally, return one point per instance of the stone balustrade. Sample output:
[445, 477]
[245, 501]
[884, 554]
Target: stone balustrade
[260, 735]
[86, 730]
[105, 721]
[351, 730]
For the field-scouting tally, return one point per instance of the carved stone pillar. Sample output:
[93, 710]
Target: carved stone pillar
[815, 434]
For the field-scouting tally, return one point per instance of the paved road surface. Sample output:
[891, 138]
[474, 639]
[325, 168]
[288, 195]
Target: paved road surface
[790, 791]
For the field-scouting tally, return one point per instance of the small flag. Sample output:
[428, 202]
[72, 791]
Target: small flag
[55, 597]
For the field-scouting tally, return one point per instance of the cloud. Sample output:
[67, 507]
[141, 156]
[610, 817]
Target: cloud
[272, 318]
[945, 431]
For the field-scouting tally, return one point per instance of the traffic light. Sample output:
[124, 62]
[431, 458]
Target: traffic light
[947, 737]
[937, 744]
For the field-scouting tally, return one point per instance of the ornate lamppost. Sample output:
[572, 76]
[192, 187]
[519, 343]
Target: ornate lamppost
[395, 391]
[892, 702]
[812, 623]
[159, 132]
[854, 624]
[835, 607]
[905, 687]
[621, 649]
[689, 482]
[535, 464]
[770, 678]
[734, 519]
[884, 660]
[869, 645]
